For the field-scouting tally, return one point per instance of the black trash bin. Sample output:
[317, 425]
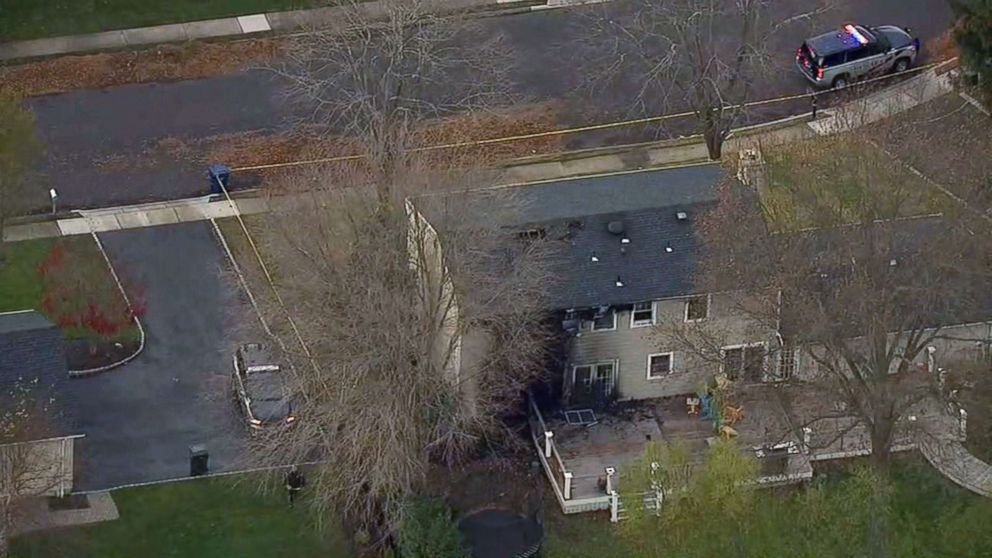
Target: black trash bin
[198, 460]
[219, 174]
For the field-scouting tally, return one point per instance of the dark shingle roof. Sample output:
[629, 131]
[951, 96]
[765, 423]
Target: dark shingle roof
[32, 354]
[644, 266]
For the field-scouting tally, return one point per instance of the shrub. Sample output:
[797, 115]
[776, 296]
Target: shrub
[428, 530]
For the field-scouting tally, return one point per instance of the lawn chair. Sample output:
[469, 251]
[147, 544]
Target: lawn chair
[732, 415]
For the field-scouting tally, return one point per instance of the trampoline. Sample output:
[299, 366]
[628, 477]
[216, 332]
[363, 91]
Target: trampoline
[501, 533]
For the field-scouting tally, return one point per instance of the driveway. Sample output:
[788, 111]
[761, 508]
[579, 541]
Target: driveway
[102, 145]
[140, 419]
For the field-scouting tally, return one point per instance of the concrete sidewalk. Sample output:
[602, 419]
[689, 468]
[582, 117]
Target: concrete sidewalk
[253, 24]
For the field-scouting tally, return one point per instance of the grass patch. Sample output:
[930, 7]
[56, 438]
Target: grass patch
[217, 518]
[31, 19]
[839, 180]
[586, 535]
[930, 517]
[21, 287]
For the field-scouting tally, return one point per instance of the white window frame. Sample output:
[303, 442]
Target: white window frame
[709, 305]
[779, 376]
[671, 365]
[593, 366]
[745, 346]
[654, 315]
[592, 323]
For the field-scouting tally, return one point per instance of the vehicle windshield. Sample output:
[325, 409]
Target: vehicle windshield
[883, 40]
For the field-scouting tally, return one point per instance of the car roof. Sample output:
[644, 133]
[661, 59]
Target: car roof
[257, 355]
[838, 41]
[265, 386]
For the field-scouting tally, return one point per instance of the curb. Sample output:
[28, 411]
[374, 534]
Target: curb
[141, 329]
[248, 26]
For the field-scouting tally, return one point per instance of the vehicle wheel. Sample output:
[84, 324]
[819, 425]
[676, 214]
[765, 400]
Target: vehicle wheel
[840, 82]
[901, 66]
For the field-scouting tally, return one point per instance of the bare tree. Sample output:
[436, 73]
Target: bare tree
[860, 298]
[421, 318]
[19, 151]
[705, 55]
[377, 73]
[27, 467]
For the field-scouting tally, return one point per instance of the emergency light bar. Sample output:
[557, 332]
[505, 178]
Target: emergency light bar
[853, 31]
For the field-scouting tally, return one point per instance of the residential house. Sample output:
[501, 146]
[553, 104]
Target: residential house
[37, 456]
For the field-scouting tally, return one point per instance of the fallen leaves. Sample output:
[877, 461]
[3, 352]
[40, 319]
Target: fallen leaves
[192, 60]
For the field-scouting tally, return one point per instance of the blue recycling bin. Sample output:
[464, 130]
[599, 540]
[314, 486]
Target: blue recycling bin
[219, 174]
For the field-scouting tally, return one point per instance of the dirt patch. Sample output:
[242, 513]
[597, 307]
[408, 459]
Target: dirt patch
[192, 60]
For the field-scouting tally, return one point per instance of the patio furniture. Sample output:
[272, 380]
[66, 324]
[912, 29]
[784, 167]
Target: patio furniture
[732, 415]
[727, 432]
[581, 417]
[692, 404]
[707, 401]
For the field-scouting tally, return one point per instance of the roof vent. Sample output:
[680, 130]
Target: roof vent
[594, 258]
[668, 247]
[619, 282]
[681, 215]
[615, 227]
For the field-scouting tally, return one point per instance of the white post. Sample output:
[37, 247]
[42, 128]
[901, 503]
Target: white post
[610, 471]
[568, 485]
[548, 443]
[807, 438]
[54, 195]
[963, 423]
[614, 507]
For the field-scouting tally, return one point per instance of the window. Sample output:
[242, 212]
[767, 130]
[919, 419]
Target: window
[744, 363]
[642, 315]
[787, 362]
[697, 308]
[659, 365]
[858, 54]
[596, 380]
[605, 322]
[833, 60]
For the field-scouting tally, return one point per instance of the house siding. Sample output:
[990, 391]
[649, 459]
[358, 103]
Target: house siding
[631, 346]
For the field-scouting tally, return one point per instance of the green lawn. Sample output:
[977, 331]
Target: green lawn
[20, 288]
[31, 19]
[220, 518]
[931, 518]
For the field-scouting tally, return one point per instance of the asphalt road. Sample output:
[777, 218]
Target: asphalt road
[124, 125]
[141, 418]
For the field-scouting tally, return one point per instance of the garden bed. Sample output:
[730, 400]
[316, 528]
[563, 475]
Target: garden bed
[84, 279]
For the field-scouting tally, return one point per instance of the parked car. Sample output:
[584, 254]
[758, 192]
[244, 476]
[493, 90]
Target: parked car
[856, 52]
[260, 387]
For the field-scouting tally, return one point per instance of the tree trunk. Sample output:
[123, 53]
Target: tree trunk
[713, 135]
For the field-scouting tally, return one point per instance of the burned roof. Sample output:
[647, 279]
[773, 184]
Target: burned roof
[623, 257]
[657, 261]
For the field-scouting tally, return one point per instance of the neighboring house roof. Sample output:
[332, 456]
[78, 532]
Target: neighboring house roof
[900, 242]
[597, 268]
[31, 352]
